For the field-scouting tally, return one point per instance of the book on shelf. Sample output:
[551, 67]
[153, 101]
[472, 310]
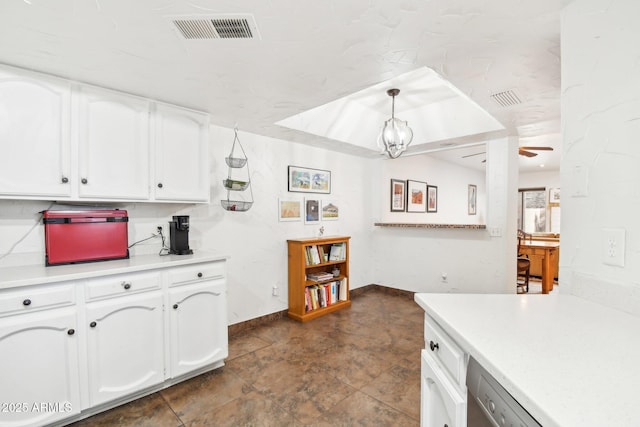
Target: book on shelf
[319, 276]
[307, 300]
[307, 256]
[343, 289]
[323, 255]
[322, 296]
[337, 252]
[312, 255]
[334, 292]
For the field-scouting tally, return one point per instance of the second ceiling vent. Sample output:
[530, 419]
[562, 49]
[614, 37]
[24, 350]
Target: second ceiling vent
[209, 27]
[507, 98]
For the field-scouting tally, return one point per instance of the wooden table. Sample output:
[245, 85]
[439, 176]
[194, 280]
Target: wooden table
[548, 252]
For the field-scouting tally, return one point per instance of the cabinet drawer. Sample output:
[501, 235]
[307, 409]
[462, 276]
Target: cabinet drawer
[445, 350]
[121, 284]
[199, 272]
[33, 298]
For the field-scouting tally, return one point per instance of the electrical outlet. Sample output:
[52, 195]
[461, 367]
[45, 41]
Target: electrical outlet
[443, 277]
[274, 290]
[613, 246]
[159, 229]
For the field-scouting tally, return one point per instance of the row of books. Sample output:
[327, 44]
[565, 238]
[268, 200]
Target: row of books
[317, 254]
[325, 294]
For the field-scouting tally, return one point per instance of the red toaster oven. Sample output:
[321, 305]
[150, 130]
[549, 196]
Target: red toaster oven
[85, 236]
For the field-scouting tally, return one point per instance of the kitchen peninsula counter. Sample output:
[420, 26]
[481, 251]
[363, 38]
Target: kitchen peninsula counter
[567, 361]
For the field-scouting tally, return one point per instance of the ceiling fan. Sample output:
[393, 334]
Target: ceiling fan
[527, 151]
[523, 151]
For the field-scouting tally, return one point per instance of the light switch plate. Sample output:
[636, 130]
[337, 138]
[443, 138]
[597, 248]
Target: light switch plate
[613, 246]
[581, 181]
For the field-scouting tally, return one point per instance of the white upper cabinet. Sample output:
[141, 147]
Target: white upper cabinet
[76, 142]
[34, 136]
[112, 131]
[181, 144]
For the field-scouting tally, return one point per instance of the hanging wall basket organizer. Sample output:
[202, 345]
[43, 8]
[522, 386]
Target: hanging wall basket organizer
[238, 165]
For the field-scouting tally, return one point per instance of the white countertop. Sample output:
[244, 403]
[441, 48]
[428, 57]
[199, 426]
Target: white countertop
[568, 361]
[26, 275]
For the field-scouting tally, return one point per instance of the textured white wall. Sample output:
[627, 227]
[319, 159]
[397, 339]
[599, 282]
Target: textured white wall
[414, 259]
[452, 181]
[546, 179]
[601, 129]
[255, 240]
[410, 259]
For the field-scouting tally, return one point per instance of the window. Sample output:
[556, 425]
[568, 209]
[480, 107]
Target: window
[532, 210]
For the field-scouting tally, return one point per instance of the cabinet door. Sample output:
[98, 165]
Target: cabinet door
[182, 160]
[198, 324]
[34, 136]
[125, 345]
[441, 402]
[113, 145]
[39, 370]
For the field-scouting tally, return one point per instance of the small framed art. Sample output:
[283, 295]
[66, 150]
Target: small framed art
[311, 211]
[432, 198]
[416, 196]
[398, 195]
[289, 210]
[472, 200]
[330, 211]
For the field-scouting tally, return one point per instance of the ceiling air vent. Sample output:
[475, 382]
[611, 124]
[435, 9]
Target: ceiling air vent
[506, 98]
[216, 27]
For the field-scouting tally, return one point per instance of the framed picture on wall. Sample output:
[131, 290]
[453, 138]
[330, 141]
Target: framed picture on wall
[330, 211]
[554, 195]
[398, 195]
[311, 211]
[473, 199]
[307, 180]
[432, 198]
[289, 210]
[416, 196]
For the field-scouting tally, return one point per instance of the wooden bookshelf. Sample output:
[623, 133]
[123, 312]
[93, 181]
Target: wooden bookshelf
[313, 256]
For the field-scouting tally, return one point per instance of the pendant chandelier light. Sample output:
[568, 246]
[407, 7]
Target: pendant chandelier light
[396, 134]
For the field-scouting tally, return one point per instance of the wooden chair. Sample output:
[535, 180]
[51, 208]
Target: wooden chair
[524, 264]
[522, 236]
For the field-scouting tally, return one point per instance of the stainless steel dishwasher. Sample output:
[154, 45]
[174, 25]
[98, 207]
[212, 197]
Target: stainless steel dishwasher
[489, 404]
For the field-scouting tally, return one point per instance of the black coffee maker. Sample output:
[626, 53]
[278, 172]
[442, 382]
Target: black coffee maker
[179, 235]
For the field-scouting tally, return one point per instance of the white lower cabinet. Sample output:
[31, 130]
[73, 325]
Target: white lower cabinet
[125, 345]
[64, 358]
[39, 374]
[443, 380]
[198, 326]
[442, 405]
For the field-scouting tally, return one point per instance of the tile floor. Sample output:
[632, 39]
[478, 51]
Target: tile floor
[358, 366]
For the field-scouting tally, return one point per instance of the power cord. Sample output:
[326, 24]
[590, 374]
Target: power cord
[164, 247]
[28, 232]
[143, 240]
[160, 234]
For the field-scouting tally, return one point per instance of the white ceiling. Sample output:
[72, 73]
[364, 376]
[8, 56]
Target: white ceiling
[308, 53]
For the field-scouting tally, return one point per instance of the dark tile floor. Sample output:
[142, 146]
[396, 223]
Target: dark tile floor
[358, 366]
